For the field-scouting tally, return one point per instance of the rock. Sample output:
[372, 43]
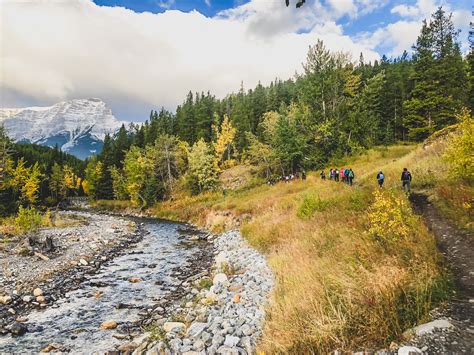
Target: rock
[231, 341]
[54, 346]
[120, 336]
[225, 350]
[134, 279]
[429, 327]
[11, 311]
[196, 329]
[5, 299]
[236, 298]
[17, 329]
[220, 279]
[109, 325]
[409, 350]
[199, 345]
[27, 299]
[127, 347]
[37, 292]
[22, 319]
[41, 299]
[83, 262]
[176, 327]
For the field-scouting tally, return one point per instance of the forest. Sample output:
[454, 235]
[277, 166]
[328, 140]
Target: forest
[335, 107]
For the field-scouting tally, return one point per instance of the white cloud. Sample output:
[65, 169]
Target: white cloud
[401, 35]
[406, 10]
[52, 51]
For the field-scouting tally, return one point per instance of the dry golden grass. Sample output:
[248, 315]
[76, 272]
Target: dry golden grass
[336, 286]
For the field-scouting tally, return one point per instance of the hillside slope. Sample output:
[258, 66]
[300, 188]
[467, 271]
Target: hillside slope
[355, 267]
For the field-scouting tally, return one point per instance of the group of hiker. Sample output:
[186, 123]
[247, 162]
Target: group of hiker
[345, 175]
[405, 178]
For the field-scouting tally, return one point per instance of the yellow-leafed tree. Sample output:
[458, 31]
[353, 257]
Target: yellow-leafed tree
[224, 141]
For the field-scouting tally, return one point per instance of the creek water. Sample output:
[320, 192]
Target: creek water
[74, 321]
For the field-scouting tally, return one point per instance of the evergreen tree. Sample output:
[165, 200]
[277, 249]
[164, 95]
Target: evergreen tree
[438, 76]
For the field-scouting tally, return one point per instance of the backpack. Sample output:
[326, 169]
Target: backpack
[351, 174]
[381, 177]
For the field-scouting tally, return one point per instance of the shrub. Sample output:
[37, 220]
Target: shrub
[389, 217]
[459, 151]
[310, 205]
[28, 219]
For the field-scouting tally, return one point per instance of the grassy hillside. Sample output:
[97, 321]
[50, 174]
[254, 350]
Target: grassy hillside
[354, 266]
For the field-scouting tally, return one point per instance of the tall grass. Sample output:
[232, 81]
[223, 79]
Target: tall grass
[337, 287]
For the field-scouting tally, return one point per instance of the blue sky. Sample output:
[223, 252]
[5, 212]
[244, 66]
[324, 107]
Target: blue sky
[141, 55]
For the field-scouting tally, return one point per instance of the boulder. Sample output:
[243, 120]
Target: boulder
[429, 327]
[134, 279]
[109, 325]
[17, 329]
[127, 347]
[5, 299]
[196, 329]
[409, 350]
[37, 292]
[174, 327]
[220, 279]
[231, 341]
[27, 299]
[83, 262]
[41, 299]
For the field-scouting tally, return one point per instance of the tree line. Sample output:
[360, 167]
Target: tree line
[334, 107]
[33, 175]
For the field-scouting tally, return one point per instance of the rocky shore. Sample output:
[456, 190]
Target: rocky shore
[221, 314]
[34, 278]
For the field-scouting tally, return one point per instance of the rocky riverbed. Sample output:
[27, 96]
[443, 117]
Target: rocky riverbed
[106, 280]
[222, 314]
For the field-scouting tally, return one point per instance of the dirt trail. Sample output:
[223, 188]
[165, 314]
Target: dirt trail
[458, 247]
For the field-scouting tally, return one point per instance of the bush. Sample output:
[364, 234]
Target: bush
[389, 217]
[28, 219]
[459, 151]
[310, 205]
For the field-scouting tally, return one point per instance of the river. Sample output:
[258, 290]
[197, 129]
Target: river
[161, 260]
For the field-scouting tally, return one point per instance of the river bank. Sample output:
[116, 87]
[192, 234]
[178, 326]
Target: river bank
[104, 267]
[223, 314]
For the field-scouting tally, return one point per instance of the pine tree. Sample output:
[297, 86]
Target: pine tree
[438, 76]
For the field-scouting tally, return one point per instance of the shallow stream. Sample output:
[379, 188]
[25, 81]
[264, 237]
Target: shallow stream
[160, 260]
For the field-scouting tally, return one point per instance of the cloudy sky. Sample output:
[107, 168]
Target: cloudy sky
[142, 54]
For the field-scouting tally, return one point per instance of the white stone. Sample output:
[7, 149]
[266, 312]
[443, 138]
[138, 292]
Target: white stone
[83, 262]
[37, 292]
[409, 350]
[220, 278]
[231, 341]
[429, 327]
[196, 329]
[174, 326]
[27, 299]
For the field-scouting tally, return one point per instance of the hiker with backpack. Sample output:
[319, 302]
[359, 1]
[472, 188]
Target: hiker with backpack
[343, 177]
[350, 176]
[336, 174]
[406, 180]
[323, 175]
[380, 178]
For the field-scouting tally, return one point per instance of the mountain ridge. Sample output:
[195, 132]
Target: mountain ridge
[77, 126]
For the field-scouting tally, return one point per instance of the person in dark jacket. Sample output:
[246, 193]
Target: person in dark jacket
[406, 180]
[350, 176]
[380, 178]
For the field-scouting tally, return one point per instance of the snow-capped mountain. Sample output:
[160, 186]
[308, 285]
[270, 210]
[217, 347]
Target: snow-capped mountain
[76, 126]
